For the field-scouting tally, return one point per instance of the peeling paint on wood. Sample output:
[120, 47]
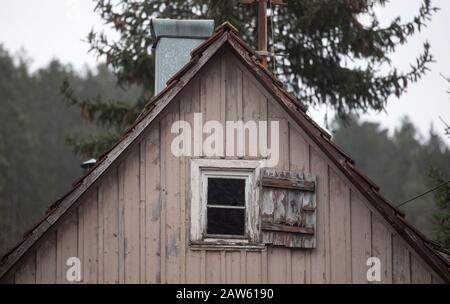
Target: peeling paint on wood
[288, 183]
[343, 231]
[288, 212]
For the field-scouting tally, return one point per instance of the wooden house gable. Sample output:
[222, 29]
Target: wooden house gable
[132, 220]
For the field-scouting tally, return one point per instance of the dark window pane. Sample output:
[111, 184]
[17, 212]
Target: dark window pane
[226, 191]
[226, 221]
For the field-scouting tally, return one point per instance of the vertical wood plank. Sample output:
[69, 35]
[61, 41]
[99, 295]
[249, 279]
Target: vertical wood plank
[243, 266]
[46, 259]
[213, 267]
[223, 266]
[109, 203]
[254, 106]
[233, 90]
[67, 244]
[233, 267]
[233, 101]
[289, 265]
[321, 257]
[339, 200]
[348, 237]
[276, 257]
[298, 266]
[299, 160]
[298, 151]
[172, 187]
[187, 101]
[142, 211]
[203, 267]
[163, 214]
[361, 239]
[283, 146]
[221, 67]
[193, 267]
[153, 206]
[80, 241]
[88, 237]
[26, 270]
[276, 269]
[254, 268]
[400, 261]
[212, 93]
[189, 106]
[121, 221]
[419, 274]
[131, 216]
[264, 267]
[381, 248]
[100, 233]
[254, 102]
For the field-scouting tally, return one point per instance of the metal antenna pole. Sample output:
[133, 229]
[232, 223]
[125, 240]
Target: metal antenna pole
[262, 26]
[262, 31]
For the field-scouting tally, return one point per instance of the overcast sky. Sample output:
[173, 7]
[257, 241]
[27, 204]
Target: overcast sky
[48, 29]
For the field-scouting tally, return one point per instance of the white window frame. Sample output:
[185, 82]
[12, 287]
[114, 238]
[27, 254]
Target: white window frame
[201, 169]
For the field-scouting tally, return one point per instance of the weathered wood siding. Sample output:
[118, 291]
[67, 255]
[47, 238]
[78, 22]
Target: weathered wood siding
[133, 225]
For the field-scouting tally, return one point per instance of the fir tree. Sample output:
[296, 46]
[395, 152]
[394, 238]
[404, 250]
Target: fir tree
[327, 55]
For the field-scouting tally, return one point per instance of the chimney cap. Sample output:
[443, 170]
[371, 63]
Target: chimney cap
[173, 28]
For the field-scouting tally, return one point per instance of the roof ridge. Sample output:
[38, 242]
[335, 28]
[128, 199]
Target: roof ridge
[227, 26]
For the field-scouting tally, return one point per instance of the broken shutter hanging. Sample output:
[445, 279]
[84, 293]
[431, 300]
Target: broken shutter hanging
[288, 209]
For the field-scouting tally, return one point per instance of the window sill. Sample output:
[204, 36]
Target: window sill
[226, 246]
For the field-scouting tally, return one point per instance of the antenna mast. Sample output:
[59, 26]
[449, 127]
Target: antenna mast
[262, 26]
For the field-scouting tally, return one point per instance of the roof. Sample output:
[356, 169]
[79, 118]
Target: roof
[226, 34]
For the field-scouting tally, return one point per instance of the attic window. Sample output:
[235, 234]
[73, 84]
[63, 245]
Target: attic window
[225, 213]
[224, 196]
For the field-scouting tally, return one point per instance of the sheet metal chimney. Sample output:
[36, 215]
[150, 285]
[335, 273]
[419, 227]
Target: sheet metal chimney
[173, 41]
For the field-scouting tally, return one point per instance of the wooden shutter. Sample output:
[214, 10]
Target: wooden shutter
[288, 209]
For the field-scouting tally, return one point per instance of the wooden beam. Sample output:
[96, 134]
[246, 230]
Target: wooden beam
[286, 228]
[288, 183]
